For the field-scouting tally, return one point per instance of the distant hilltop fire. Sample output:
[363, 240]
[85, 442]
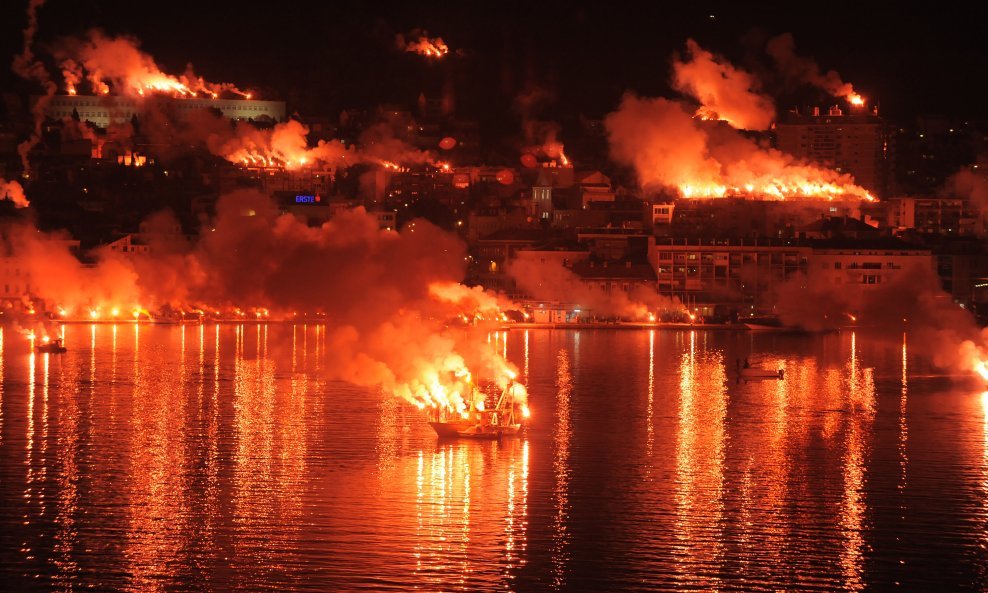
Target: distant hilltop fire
[116, 63]
[418, 41]
[699, 152]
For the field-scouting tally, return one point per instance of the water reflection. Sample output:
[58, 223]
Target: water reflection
[2, 387]
[903, 424]
[157, 461]
[561, 470]
[699, 503]
[858, 384]
[649, 427]
[157, 510]
[471, 514]
[66, 478]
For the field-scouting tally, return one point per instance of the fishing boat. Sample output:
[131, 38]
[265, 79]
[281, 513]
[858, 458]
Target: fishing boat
[51, 347]
[505, 419]
[756, 372]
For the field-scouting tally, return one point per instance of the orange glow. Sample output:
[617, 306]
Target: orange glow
[670, 148]
[856, 99]
[707, 114]
[118, 61]
[973, 358]
[779, 188]
[431, 48]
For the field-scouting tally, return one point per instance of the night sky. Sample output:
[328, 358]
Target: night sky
[323, 57]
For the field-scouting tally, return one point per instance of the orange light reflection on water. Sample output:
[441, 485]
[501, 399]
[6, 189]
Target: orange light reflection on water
[699, 453]
[467, 495]
[157, 513]
[649, 425]
[561, 471]
[853, 389]
[1, 386]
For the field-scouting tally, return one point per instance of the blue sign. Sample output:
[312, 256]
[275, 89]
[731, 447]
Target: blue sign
[306, 199]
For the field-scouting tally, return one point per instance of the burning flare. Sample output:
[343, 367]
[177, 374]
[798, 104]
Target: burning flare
[117, 61]
[669, 148]
[391, 295]
[725, 93]
[418, 41]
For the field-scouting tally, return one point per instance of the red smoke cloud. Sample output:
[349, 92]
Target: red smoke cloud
[971, 183]
[723, 91]
[118, 62]
[670, 149]
[794, 67]
[912, 302]
[282, 145]
[418, 41]
[11, 190]
[551, 281]
[388, 296]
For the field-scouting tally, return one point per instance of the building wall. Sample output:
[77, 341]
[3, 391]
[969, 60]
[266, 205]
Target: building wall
[15, 283]
[102, 111]
[858, 145]
[940, 216]
[864, 268]
[745, 277]
[739, 276]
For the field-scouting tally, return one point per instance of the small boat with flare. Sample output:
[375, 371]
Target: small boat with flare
[51, 346]
[756, 372]
[478, 422]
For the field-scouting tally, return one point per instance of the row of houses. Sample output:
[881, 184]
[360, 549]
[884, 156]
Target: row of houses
[715, 278]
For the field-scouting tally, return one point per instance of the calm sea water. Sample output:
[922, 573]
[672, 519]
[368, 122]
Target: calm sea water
[217, 458]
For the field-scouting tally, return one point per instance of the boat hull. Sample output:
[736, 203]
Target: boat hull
[761, 374]
[52, 350]
[469, 430]
[449, 429]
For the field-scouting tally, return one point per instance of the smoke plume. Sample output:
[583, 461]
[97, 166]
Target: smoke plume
[418, 41]
[971, 183]
[723, 91]
[28, 67]
[551, 281]
[12, 191]
[118, 62]
[388, 296]
[542, 139]
[911, 302]
[799, 69]
[669, 148]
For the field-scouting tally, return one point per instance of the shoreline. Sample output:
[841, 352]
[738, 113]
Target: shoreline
[630, 325]
[625, 325]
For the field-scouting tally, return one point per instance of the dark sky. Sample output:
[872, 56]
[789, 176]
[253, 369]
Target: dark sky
[324, 56]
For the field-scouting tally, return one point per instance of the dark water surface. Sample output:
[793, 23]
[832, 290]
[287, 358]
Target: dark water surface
[217, 458]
